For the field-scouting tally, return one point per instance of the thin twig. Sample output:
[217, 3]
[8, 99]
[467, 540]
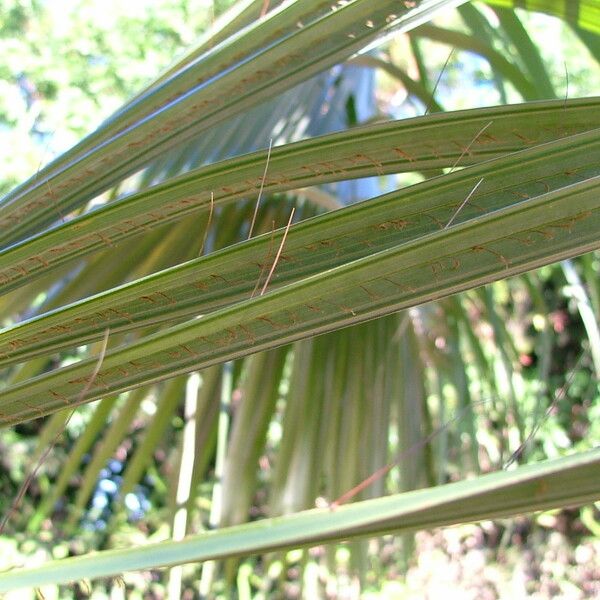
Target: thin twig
[25, 486]
[363, 484]
[265, 8]
[51, 194]
[557, 398]
[43, 156]
[287, 228]
[463, 204]
[267, 258]
[210, 214]
[437, 82]
[260, 191]
[469, 146]
[567, 84]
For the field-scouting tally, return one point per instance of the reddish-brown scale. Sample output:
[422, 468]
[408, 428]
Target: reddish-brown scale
[188, 201]
[334, 168]
[293, 318]
[436, 268]
[220, 342]
[541, 488]
[486, 138]
[122, 314]
[313, 308]
[59, 396]
[544, 185]
[99, 379]
[403, 154]
[248, 334]
[286, 258]
[397, 224]
[570, 172]
[327, 243]
[465, 150]
[214, 276]
[231, 335]
[269, 322]
[369, 293]
[476, 206]
[74, 244]
[166, 297]
[106, 241]
[59, 329]
[40, 260]
[400, 286]
[131, 223]
[568, 224]
[434, 219]
[57, 250]
[21, 270]
[311, 170]
[188, 350]
[502, 259]
[145, 225]
[32, 408]
[342, 307]
[527, 241]
[522, 137]
[547, 235]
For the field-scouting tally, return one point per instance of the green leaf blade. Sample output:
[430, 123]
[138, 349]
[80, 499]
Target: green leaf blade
[534, 487]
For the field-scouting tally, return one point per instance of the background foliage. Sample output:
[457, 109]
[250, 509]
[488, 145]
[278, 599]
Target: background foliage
[272, 433]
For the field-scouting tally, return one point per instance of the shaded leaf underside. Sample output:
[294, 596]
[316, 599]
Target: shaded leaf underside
[527, 232]
[315, 245]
